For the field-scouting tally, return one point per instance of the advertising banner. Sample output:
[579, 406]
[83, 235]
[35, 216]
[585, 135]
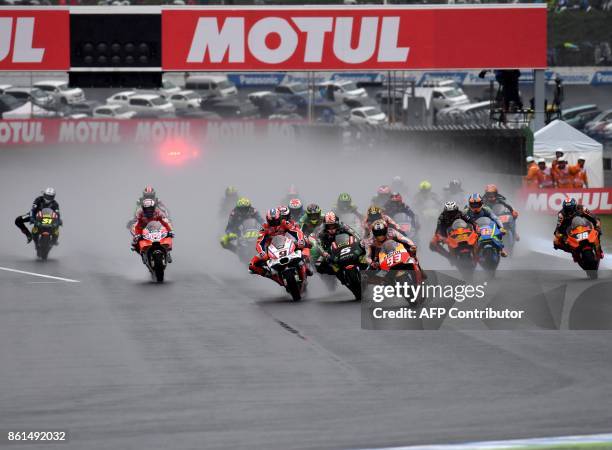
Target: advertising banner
[548, 201]
[32, 39]
[289, 39]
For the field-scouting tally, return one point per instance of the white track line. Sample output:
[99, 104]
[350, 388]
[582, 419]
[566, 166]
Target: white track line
[67, 280]
[513, 444]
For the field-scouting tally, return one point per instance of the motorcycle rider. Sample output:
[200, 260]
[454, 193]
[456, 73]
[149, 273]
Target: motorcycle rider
[286, 214]
[492, 197]
[45, 200]
[375, 213]
[332, 226]
[383, 193]
[296, 210]
[311, 219]
[450, 213]
[381, 233]
[275, 225]
[476, 209]
[149, 212]
[344, 206]
[396, 205]
[397, 185]
[147, 192]
[454, 192]
[228, 201]
[291, 194]
[569, 210]
[241, 212]
[425, 195]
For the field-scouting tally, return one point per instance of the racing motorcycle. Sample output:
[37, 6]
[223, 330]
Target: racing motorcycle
[461, 241]
[154, 248]
[248, 233]
[583, 242]
[45, 231]
[286, 262]
[406, 226]
[489, 245]
[347, 259]
[396, 266]
[508, 221]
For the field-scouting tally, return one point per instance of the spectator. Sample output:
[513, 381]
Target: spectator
[545, 175]
[578, 171]
[561, 174]
[531, 179]
[558, 155]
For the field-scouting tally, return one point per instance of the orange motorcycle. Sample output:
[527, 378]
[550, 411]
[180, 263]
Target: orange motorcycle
[583, 243]
[463, 252]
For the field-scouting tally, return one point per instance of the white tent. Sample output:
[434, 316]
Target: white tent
[574, 143]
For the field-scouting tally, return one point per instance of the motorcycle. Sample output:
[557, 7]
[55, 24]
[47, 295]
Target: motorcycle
[287, 263]
[406, 226]
[45, 231]
[461, 241]
[154, 248]
[347, 259]
[248, 232]
[489, 245]
[508, 221]
[583, 242]
[396, 266]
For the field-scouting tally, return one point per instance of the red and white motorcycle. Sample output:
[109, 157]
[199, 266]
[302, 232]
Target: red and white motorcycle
[286, 263]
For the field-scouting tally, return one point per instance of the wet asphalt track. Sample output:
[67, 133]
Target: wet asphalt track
[218, 359]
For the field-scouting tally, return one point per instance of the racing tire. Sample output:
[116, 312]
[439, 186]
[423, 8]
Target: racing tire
[159, 266]
[43, 247]
[292, 286]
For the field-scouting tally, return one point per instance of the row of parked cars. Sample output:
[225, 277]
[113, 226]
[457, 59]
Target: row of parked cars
[591, 120]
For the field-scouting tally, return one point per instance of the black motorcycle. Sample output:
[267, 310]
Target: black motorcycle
[347, 261]
[45, 232]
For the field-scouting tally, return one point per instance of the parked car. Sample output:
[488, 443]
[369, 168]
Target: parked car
[185, 99]
[230, 108]
[368, 114]
[597, 126]
[340, 90]
[61, 91]
[270, 103]
[292, 88]
[4, 87]
[168, 88]
[579, 116]
[113, 112]
[12, 108]
[469, 114]
[197, 114]
[211, 85]
[150, 104]
[120, 98]
[87, 107]
[31, 94]
[441, 96]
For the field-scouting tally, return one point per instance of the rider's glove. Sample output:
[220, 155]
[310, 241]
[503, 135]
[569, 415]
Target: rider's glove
[170, 234]
[515, 214]
[374, 265]
[503, 230]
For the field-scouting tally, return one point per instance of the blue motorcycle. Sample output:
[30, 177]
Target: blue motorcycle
[490, 244]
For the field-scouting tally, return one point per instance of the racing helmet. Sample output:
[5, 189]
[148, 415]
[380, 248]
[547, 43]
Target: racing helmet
[231, 191]
[569, 206]
[397, 184]
[243, 203]
[331, 222]
[383, 190]
[148, 207]
[273, 217]
[344, 201]
[425, 186]
[284, 212]
[450, 207]
[295, 208]
[313, 213]
[379, 229]
[49, 195]
[454, 185]
[374, 213]
[396, 198]
[491, 192]
[475, 202]
[149, 192]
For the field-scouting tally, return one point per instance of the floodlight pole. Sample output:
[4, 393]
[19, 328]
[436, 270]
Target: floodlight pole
[539, 96]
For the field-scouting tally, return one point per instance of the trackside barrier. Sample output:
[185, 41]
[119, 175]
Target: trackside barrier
[548, 201]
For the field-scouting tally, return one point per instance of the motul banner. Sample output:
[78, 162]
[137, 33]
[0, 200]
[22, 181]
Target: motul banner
[598, 200]
[34, 39]
[147, 131]
[421, 37]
